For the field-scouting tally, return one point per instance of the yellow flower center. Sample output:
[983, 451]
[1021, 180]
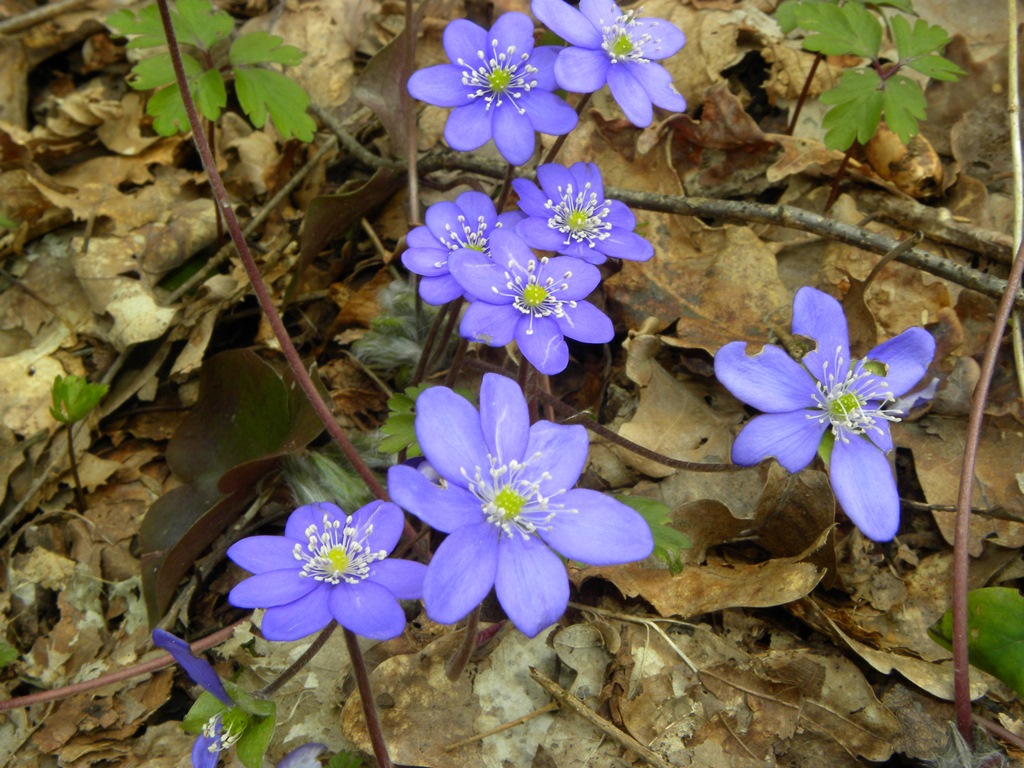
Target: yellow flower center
[509, 502]
[622, 46]
[534, 295]
[338, 559]
[499, 80]
[844, 404]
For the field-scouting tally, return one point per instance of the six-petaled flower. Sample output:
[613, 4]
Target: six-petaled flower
[620, 48]
[568, 213]
[536, 301]
[828, 395]
[508, 505]
[500, 85]
[329, 566]
[450, 228]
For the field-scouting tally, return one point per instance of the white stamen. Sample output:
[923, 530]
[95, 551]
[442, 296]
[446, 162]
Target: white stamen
[580, 217]
[512, 502]
[498, 76]
[854, 403]
[348, 543]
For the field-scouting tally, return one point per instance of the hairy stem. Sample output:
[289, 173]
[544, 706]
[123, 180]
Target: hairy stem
[380, 749]
[803, 94]
[833, 193]
[457, 663]
[961, 663]
[302, 376]
[79, 494]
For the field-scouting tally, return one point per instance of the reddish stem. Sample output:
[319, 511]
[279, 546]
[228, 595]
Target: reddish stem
[259, 288]
[961, 661]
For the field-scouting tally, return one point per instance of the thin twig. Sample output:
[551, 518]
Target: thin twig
[409, 110]
[998, 731]
[551, 706]
[348, 141]
[623, 739]
[787, 216]
[38, 15]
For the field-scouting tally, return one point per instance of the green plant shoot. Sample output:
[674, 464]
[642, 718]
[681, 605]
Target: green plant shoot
[73, 399]
[202, 32]
[865, 95]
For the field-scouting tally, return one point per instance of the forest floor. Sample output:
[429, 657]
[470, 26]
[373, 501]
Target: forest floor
[782, 636]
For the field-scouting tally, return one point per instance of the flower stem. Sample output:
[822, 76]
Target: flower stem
[428, 343]
[380, 749]
[803, 94]
[580, 106]
[833, 193]
[79, 494]
[961, 532]
[145, 668]
[454, 308]
[506, 189]
[314, 648]
[457, 663]
[302, 376]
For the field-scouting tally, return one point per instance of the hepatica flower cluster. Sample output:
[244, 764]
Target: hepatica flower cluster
[828, 401]
[507, 502]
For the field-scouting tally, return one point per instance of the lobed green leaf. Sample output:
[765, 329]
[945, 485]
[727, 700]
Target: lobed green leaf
[857, 104]
[196, 22]
[157, 71]
[904, 105]
[263, 91]
[837, 30]
[263, 48]
[74, 398]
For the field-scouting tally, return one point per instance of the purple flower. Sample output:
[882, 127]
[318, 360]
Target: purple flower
[508, 505]
[535, 301]
[303, 757]
[451, 228]
[500, 85]
[618, 48]
[214, 739]
[329, 566]
[569, 214]
[827, 396]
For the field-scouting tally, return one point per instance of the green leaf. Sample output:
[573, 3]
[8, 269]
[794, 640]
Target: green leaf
[168, 111]
[146, 28]
[904, 106]
[197, 23]
[157, 71]
[263, 48]
[7, 223]
[995, 632]
[856, 108]
[668, 542]
[8, 653]
[205, 707]
[252, 745]
[345, 760]
[937, 68]
[399, 428]
[74, 397]
[838, 30]
[209, 94]
[918, 40]
[262, 90]
[249, 703]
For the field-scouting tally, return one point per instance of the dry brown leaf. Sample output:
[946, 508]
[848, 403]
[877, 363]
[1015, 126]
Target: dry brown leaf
[704, 588]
